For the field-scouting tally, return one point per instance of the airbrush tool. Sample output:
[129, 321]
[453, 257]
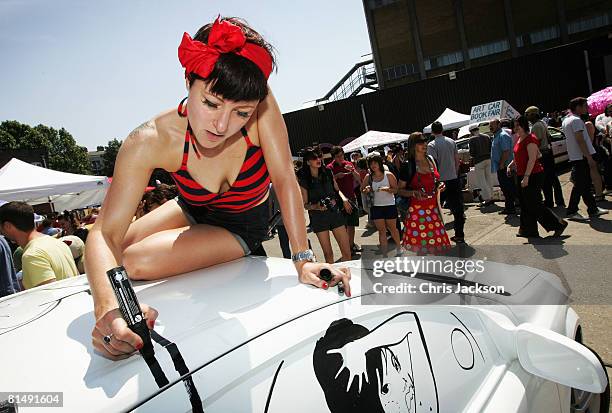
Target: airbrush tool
[133, 316]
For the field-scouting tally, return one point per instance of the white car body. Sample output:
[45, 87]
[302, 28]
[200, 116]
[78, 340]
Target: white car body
[558, 144]
[257, 341]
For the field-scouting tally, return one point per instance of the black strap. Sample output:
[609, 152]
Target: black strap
[181, 368]
[156, 370]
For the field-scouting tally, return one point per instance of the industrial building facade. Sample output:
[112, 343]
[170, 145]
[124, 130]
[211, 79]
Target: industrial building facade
[433, 54]
[418, 39]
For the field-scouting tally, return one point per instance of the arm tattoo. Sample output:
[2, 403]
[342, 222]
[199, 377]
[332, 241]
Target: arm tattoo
[147, 125]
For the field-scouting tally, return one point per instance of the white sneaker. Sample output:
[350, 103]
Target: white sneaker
[600, 211]
[576, 217]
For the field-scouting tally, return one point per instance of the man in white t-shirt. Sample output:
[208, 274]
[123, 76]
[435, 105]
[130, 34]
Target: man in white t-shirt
[580, 151]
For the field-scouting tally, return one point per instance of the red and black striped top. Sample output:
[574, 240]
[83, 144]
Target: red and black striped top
[250, 187]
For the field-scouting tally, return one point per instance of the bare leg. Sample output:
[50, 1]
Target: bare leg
[180, 250]
[325, 242]
[351, 236]
[392, 227]
[343, 242]
[168, 216]
[382, 235]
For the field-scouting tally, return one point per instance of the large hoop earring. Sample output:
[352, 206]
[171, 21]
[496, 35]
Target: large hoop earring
[182, 109]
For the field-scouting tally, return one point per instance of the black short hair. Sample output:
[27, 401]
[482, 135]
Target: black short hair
[18, 213]
[167, 191]
[158, 196]
[81, 233]
[311, 153]
[522, 122]
[336, 150]
[304, 175]
[377, 159]
[574, 103]
[397, 148]
[235, 77]
[437, 127]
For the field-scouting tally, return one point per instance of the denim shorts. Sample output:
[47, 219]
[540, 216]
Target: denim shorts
[325, 220]
[248, 227]
[383, 212]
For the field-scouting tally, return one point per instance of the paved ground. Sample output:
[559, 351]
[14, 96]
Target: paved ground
[582, 258]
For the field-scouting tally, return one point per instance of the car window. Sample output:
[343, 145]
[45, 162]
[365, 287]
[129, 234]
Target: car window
[463, 145]
[556, 134]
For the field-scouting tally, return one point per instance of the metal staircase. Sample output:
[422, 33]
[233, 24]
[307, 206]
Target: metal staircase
[361, 76]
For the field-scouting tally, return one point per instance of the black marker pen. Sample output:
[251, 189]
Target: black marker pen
[133, 316]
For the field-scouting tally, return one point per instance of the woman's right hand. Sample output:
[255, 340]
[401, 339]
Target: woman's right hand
[309, 274]
[123, 341]
[367, 189]
[418, 195]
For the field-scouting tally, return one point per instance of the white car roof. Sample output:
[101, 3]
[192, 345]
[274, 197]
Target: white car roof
[34, 325]
[45, 332]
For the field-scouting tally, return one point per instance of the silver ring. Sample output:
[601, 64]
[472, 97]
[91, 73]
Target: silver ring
[107, 339]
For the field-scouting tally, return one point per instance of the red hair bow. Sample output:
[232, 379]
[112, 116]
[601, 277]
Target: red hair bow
[224, 37]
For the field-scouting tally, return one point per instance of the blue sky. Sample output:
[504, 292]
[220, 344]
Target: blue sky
[100, 68]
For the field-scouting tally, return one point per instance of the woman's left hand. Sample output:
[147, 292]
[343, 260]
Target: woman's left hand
[309, 274]
[441, 186]
[525, 181]
[385, 189]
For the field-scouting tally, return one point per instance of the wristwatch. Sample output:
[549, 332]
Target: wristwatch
[306, 255]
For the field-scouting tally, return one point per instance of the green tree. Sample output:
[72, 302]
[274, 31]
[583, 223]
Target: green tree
[7, 141]
[13, 134]
[64, 154]
[110, 154]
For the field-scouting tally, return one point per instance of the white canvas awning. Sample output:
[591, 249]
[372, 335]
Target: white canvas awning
[21, 181]
[373, 138]
[450, 120]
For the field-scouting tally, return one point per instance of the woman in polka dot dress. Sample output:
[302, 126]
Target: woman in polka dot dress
[419, 181]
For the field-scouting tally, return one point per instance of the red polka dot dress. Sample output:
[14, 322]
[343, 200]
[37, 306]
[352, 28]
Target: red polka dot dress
[424, 229]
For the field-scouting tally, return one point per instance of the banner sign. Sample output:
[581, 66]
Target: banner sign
[488, 111]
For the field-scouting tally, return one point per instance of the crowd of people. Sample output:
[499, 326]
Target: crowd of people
[225, 144]
[401, 187]
[37, 250]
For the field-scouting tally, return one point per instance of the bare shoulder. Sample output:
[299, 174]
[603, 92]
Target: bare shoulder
[159, 140]
[267, 118]
[251, 128]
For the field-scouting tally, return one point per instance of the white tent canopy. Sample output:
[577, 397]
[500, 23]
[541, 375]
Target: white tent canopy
[373, 138]
[450, 120]
[21, 181]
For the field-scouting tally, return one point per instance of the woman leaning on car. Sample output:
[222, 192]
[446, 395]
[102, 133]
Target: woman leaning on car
[223, 146]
